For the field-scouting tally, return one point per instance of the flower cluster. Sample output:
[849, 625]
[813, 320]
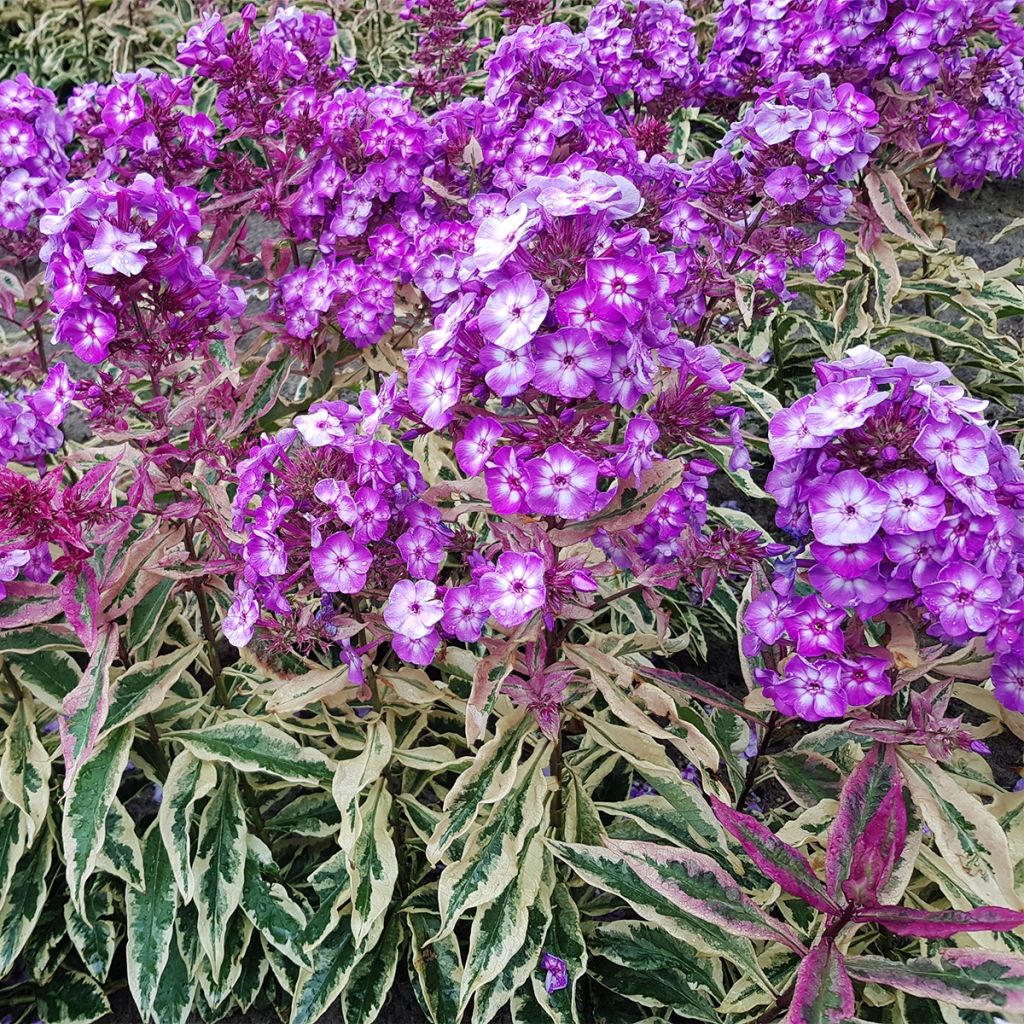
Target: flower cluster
[33, 136]
[126, 277]
[913, 507]
[30, 420]
[946, 74]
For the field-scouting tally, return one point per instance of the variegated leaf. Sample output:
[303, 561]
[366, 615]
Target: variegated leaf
[176, 992]
[435, 964]
[219, 865]
[564, 939]
[85, 808]
[374, 864]
[370, 981]
[188, 781]
[142, 689]
[353, 775]
[822, 993]
[120, 854]
[25, 768]
[486, 781]
[85, 707]
[72, 998]
[25, 898]
[499, 927]
[93, 934]
[973, 979]
[13, 830]
[267, 904]
[149, 913]
[491, 857]
[251, 745]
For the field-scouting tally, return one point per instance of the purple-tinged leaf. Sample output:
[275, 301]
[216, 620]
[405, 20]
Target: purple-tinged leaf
[80, 601]
[823, 992]
[775, 859]
[28, 604]
[85, 707]
[700, 887]
[870, 823]
[972, 979]
[942, 924]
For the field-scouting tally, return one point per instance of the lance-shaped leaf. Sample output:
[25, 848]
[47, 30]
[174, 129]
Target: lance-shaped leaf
[188, 781]
[149, 916]
[85, 707]
[333, 962]
[89, 797]
[564, 939]
[176, 991]
[869, 830]
[80, 602]
[607, 870]
[491, 775]
[250, 745]
[353, 775]
[120, 854]
[72, 998]
[775, 859]
[267, 904]
[822, 992]
[370, 981]
[25, 768]
[142, 689]
[25, 898]
[435, 965]
[93, 934]
[942, 924]
[972, 979]
[219, 866]
[374, 863]
[698, 886]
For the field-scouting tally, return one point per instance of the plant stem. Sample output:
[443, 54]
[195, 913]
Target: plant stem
[751, 778]
[10, 682]
[557, 801]
[208, 632]
[162, 764]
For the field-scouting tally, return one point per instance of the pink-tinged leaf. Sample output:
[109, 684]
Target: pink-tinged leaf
[775, 859]
[869, 830]
[972, 979]
[85, 707]
[823, 992]
[80, 602]
[28, 604]
[942, 924]
[698, 886]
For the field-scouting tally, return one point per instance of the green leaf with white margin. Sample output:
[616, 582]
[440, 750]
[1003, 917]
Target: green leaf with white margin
[13, 827]
[71, 998]
[25, 768]
[121, 854]
[188, 781]
[94, 935]
[486, 781]
[250, 745]
[491, 997]
[648, 966]
[25, 898]
[176, 992]
[565, 940]
[370, 982]
[373, 864]
[607, 870]
[331, 883]
[219, 865]
[86, 805]
[267, 904]
[146, 615]
[217, 988]
[333, 962]
[149, 917]
[142, 689]
[499, 927]
[85, 708]
[491, 857]
[435, 966]
[354, 774]
[48, 675]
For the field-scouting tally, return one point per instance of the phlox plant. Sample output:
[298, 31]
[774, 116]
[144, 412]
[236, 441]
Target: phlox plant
[384, 465]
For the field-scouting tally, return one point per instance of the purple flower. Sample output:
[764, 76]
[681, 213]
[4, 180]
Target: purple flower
[434, 389]
[241, 618]
[1008, 681]
[910, 32]
[916, 505]
[842, 405]
[515, 589]
[812, 690]
[866, 678]
[620, 286]
[815, 628]
[416, 651]
[568, 363]
[953, 444]
[557, 976]
[514, 312]
[787, 185]
[506, 482]
[422, 551]
[464, 613]
[412, 609]
[561, 483]
[116, 252]
[340, 565]
[88, 330]
[766, 616]
[827, 256]
[477, 444]
[847, 509]
[964, 599]
[829, 135]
